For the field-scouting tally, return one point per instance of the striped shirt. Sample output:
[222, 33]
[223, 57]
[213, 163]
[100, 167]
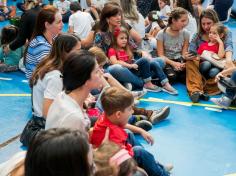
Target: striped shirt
[38, 48]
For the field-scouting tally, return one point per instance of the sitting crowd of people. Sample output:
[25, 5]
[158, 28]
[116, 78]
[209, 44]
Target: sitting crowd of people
[86, 83]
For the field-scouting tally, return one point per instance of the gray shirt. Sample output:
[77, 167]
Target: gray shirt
[173, 45]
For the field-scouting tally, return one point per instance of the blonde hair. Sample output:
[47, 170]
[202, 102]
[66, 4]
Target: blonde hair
[102, 157]
[100, 55]
[115, 99]
[127, 47]
[221, 29]
[129, 8]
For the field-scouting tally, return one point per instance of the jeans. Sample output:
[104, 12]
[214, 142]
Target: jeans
[145, 159]
[208, 70]
[230, 93]
[136, 77]
[157, 65]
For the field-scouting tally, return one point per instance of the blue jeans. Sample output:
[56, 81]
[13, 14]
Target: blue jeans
[229, 92]
[136, 77]
[145, 159]
[208, 70]
[157, 65]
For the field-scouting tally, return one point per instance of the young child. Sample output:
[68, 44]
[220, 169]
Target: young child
[134, 70]
[111, 159]
[122, 54]
[164, 8]
[9, 62]
[116, 119]
[216, 46]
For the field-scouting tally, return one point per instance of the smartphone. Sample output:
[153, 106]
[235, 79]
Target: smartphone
[193, 53]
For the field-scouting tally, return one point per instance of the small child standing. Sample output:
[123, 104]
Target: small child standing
[116, 119]
[216, 46]
[9, 61]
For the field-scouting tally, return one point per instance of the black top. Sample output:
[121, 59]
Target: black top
[26, 27]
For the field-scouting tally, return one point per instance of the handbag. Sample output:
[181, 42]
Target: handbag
[213, 59]
[32, 128]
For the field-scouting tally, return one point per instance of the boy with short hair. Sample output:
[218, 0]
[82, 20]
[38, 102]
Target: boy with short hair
[117, 105]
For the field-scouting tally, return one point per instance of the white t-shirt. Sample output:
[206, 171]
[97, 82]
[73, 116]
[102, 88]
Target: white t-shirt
[83, 4]
[65, 112]
[165, 11]
[192, 26]
[62, 6]
[138, 26]
[82, 23]
[98, 3]
[48, 87]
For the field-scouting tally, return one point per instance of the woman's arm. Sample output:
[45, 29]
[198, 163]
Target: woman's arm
[46, 105]
[88, 41]
[135, 35]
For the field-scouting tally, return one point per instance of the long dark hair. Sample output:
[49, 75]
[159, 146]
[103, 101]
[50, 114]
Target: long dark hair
[62, 45]
[108, 11]
[57, 152]
[77, 69]
[46, 14]
[8, 34]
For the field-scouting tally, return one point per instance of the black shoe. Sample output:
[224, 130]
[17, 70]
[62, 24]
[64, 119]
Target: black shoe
[144, 124]
[159, 115]
[204, 97]
[195, 97]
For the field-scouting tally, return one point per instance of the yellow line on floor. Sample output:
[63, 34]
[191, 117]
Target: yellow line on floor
[230, 174]
[15, 95]
[150, 99]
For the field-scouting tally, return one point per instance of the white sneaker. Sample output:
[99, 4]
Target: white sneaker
[128, 86]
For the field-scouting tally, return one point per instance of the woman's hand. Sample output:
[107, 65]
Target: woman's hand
[218, 76]
[146, 55]
[189, 56]
[178, 66]
[148, 137]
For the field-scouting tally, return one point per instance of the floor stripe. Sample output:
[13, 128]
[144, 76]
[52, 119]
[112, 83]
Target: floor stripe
[230, 174]
[151, 99]
[15, 95]
[9, 141]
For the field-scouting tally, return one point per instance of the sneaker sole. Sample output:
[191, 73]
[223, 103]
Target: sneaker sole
[172, 93]
[144, 124]
[162, 115]
[152, 90]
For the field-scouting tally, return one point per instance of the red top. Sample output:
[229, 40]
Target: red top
[120, 54]
[117, 134]
[204, 46]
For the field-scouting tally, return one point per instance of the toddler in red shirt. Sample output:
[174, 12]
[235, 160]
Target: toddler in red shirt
[216, 46]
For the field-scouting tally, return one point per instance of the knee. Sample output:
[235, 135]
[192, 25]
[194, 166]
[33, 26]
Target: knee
[213, 72]
[114, 68]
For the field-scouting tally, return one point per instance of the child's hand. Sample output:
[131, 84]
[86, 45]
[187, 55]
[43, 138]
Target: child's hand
[217, 38]
[218, 76]
[147, 137]
[134, 66]
[6, 49]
